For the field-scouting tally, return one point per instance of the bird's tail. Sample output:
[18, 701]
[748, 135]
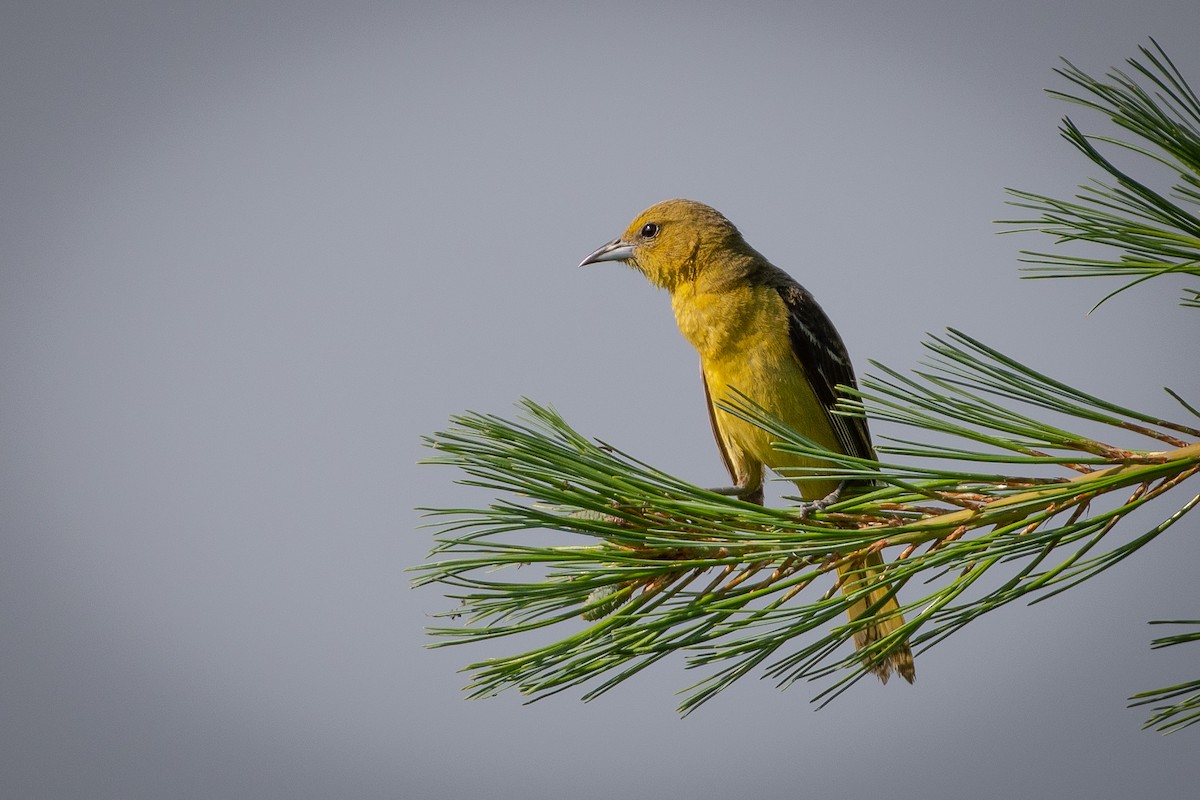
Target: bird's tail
[854, 576]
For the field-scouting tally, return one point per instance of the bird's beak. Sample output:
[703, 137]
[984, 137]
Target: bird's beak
[616, 250]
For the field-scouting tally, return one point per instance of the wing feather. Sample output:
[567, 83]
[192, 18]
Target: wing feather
[826, 364]
[716, 429]
[754, 495]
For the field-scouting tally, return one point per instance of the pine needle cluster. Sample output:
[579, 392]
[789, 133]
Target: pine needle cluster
[996, 496]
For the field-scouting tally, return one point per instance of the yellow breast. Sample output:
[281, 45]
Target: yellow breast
[744, 345]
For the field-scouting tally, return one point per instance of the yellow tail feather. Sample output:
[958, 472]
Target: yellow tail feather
[854, 576]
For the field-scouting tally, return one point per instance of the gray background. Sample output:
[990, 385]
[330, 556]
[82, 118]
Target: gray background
[250, 252]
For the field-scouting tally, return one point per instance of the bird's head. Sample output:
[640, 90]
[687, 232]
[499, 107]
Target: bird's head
[672, 242]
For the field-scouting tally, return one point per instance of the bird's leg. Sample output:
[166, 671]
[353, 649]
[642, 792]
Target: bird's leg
[742, 493]
[804, 509]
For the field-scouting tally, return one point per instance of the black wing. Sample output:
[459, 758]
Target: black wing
[826, 363]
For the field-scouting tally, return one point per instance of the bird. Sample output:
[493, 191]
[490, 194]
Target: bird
[762, 336]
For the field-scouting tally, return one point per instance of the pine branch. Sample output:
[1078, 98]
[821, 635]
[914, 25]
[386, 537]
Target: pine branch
[998, 496]
[1157, 232]
[1181, 702]
[660, 566]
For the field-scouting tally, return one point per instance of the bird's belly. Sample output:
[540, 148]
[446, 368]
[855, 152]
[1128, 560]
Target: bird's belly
[775, 382]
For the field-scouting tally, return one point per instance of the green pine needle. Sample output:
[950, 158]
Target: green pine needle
[998, 483]
[1156, 231]
[634, 564]
[1180, 704]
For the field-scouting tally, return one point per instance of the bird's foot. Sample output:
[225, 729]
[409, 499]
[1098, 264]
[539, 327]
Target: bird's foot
[741, 493]
[804, 510]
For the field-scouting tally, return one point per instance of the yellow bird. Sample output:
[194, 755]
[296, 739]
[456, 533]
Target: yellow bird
[760, 333]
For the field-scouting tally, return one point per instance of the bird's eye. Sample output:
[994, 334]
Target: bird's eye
[650, 230]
